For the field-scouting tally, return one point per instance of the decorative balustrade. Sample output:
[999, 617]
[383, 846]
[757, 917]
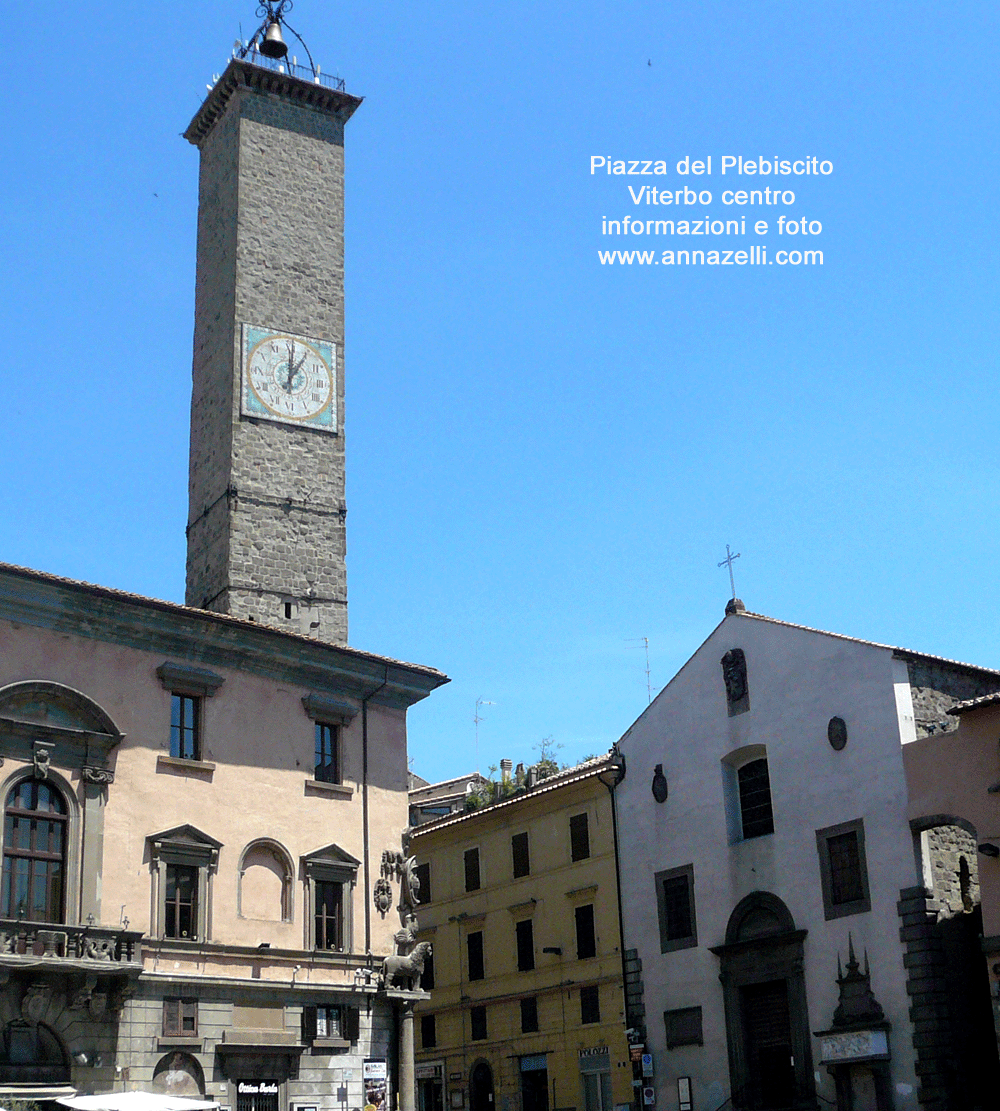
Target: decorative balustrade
[46, 941]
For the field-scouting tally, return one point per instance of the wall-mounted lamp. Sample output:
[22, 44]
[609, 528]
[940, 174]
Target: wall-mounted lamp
[91, 1059]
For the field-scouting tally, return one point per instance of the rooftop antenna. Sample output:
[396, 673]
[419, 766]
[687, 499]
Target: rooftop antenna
[728, 561]
[643, 642]
[268, 39]
[477, 718]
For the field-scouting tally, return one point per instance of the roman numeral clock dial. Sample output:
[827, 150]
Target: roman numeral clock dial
[288, 378]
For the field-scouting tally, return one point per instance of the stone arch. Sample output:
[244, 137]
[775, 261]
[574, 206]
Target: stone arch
[265, 880]
[179, 1074]
[481, 1086]
[32, 1053]
[758, 915]
[41, 702]
[947, 848]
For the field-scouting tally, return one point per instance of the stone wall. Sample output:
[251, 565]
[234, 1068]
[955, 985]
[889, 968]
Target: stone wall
[937, 686]
[267, 518]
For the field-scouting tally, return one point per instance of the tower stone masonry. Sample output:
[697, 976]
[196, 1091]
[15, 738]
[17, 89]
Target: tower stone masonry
[267, 513]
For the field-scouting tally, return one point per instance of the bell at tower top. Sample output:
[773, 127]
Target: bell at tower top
[263, 63]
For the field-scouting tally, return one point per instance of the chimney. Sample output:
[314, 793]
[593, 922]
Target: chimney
[506, 767]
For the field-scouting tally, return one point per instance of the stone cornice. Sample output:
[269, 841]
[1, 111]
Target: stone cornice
[209, 639]
[244, 75]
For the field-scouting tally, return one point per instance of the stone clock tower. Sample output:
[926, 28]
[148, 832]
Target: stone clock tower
[266, 519]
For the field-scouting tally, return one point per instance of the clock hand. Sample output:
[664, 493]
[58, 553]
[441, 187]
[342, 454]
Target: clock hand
[291, 369]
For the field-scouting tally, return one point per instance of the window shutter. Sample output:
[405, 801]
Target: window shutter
[308, 1023]
[352, 1024]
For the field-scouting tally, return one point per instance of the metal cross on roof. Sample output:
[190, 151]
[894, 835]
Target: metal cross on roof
[728, 562]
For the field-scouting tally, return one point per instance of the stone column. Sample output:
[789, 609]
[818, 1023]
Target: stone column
[407, 1071]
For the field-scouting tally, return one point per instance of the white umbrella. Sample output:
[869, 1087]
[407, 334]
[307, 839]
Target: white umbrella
[136, 1101]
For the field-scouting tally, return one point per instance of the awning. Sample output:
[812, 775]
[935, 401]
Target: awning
[136, 1101]
[36, 1091]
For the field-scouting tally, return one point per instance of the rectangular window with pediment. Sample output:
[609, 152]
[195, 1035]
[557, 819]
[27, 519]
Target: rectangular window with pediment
[184, 861]
[331, 875]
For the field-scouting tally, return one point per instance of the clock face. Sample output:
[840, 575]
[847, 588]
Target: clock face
[289, 378]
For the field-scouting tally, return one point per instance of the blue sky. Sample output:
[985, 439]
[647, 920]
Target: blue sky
[546, 456]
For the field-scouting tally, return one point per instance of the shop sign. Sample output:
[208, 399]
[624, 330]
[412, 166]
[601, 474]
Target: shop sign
[533, 1063]
[429, 1072]
[594, 1051]
[374, 1068]
[635, 1051]
[256, 1088]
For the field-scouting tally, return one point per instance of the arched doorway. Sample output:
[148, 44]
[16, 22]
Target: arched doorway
[767, 1021]
[481, 1087]
[31, 1053]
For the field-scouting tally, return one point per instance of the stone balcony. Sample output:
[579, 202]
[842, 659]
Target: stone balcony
[107, 950]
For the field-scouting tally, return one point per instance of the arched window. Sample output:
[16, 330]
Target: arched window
[34, 853]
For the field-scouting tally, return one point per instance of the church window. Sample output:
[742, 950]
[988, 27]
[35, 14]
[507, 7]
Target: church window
[474, 948]
[586, 940]
[478, 1018]
[327, 765]
[590, 1004]
[472, 878]
[529, 1015]
[525, 946]
[755, 799]
[34, 852]
[843, 869]
[675, 908]
[579, 837]
[683, 1027]
[185, 727]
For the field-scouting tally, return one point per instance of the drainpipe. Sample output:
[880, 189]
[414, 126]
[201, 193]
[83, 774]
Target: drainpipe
[364, 807]
[617, 767]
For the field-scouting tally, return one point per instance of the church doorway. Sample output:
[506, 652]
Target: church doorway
[481, 1088]
[767, 1036]
[767, 1021]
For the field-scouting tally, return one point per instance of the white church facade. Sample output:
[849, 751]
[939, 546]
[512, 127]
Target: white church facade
[793, 928]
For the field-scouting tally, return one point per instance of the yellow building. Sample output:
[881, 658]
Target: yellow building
[520, 904]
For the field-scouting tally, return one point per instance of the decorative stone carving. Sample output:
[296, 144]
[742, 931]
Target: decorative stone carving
[99, 948]
[97, 1005]
[382, 896]
[102, 776]
[400, 971]
[858, 1005]
[734, 674]
[42, 756]
[659, 784]
[35, 1002]
[82, 995]
[836, 733]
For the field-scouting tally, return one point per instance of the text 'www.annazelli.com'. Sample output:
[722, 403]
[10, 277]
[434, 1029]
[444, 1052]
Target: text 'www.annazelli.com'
[753, 256]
